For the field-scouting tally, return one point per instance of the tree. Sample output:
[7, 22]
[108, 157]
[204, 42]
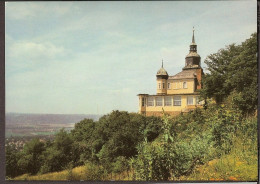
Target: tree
[233, 71]
[11, 159]
[31, 157]
[85, 138]
[59, 154]
[120, 135]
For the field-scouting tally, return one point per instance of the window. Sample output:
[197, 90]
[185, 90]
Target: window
[150, 101]
[159, 85]
[143, 102]
[168, 101]
[169, 85]
[184, 84]
[177, 100]
[158, 101]
[163, 85]
[190, 100]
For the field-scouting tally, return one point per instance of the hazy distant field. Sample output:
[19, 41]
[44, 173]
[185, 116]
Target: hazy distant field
[41, 124]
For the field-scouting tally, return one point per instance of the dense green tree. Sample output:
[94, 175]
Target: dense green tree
[233, 71]
[59, 154]
[31, 157]
[11, 158]
[85, 138]
[84, 130]
[119, 134]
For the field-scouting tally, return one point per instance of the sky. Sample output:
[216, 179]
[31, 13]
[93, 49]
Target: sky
[94, 57]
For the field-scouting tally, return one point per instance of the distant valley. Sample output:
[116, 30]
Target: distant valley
[19, 124]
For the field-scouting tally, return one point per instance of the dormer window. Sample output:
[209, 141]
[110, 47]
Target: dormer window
[159, 87]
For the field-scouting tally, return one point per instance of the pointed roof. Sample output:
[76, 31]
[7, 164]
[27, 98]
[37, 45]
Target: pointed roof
[193, 38]
[162, 71]
[193, 47]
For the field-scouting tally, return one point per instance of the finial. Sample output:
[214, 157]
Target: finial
[193, 39]
[162, 63]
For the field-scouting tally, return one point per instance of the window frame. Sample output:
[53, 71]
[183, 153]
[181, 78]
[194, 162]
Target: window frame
[157, 102]
[150, 101]
[176, 101]
[166, 103]
[188, 98]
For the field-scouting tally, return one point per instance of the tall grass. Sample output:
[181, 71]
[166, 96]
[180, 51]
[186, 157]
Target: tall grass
[87, 172]
[241, 164]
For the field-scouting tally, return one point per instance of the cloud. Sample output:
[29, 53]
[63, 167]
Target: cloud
[35, 50]
[34, 10]
[27, 54]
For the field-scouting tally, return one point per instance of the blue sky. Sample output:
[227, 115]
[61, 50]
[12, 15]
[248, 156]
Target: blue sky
[95, 57]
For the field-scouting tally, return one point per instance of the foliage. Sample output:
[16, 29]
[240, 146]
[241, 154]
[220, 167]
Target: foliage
[170, 156]
[31, 157]
[233, 70]
[187, 143]
[223, 127]
[11, 159]
[240, 164]
[94, 172]
[59, 154]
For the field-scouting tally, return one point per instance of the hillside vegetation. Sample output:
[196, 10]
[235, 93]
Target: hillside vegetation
[214, 143]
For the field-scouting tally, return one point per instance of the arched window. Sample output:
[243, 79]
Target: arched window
[185, 85]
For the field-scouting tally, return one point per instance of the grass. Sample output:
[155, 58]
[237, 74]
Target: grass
[241, 164]
[78, 173]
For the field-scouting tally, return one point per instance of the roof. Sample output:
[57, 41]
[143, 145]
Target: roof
[194, 93]
[185, 74]
[193, 54]
[162, 71]
[144, 94]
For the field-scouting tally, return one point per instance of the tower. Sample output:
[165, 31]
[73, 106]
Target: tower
[193, 58]
[162, 77]
[192, 62]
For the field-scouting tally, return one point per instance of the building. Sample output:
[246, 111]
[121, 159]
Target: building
[177, 93]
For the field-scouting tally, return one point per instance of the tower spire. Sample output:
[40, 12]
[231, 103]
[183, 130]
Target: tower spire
[193, 39]
[162, 63]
